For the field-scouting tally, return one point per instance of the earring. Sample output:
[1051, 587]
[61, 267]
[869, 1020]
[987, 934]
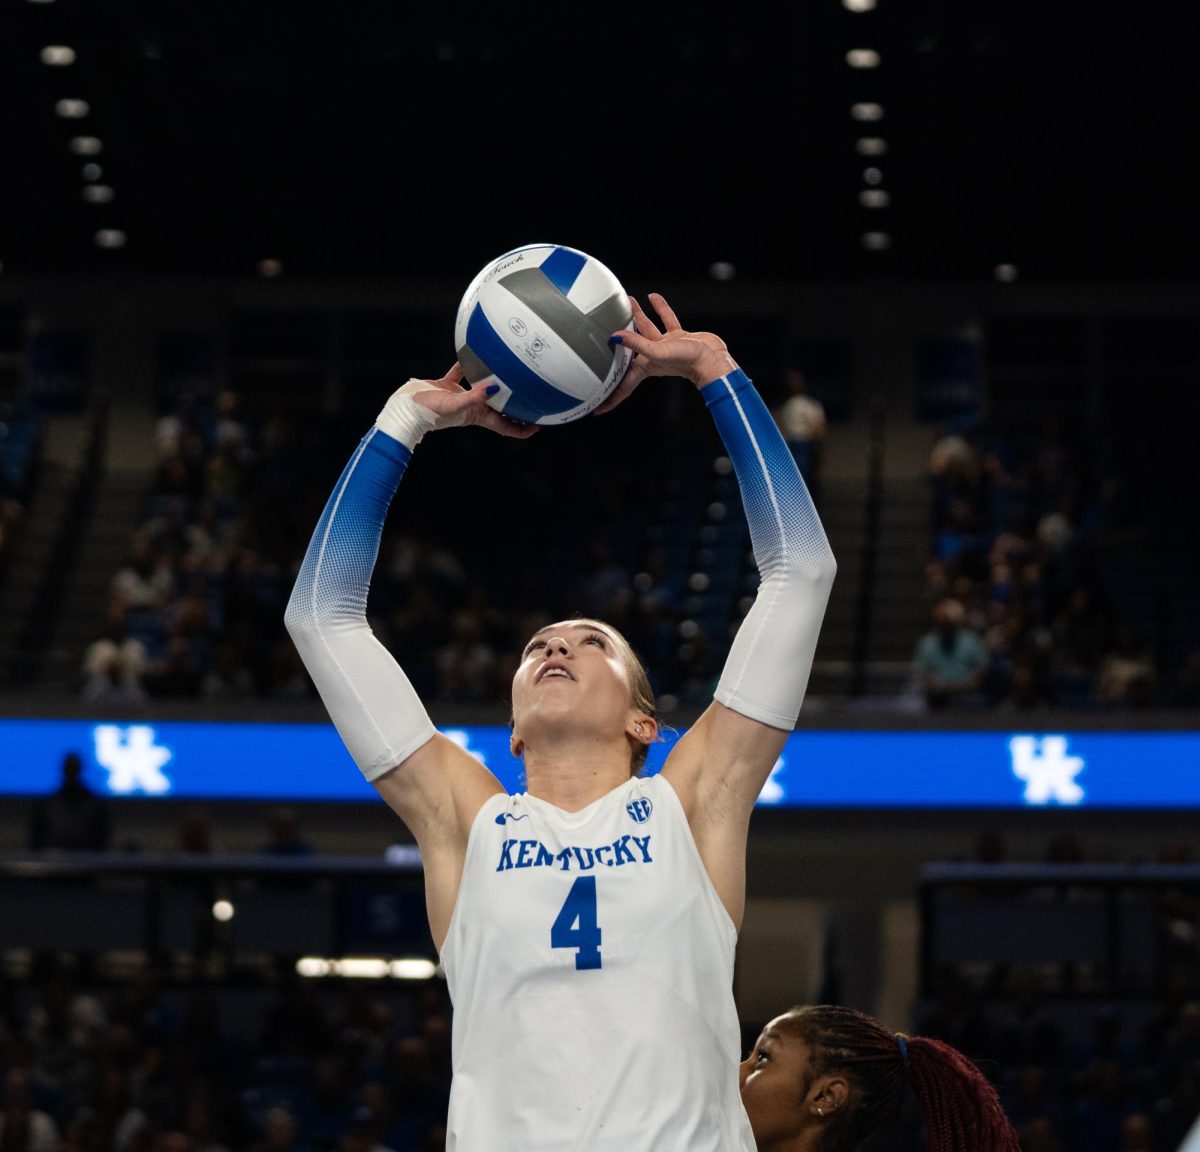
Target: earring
[820, 1110]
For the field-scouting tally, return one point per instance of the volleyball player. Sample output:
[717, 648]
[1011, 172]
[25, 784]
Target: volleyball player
[824, 1078]
[587, 927]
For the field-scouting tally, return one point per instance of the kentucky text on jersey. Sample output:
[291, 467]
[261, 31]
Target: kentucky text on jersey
[535, 854]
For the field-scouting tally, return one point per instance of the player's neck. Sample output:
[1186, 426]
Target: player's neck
[575, 773]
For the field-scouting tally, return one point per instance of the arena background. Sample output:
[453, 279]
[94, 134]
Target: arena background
[227, 232]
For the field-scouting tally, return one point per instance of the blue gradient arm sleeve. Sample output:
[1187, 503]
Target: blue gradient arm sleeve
[767, 670]
[372, 704]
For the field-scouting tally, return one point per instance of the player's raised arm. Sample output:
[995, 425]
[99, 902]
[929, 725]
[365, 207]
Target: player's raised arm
[370, 700]
[721, 764]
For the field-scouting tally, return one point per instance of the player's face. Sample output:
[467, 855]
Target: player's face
[774, 1079]
[570, 668]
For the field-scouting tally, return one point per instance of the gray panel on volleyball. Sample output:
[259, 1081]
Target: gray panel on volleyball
[588, 342]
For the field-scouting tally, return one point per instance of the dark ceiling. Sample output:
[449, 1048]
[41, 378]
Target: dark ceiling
[387, 139]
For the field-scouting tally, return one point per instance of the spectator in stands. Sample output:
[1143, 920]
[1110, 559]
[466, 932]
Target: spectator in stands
[1104, 1105]
[605, 581]
[1036, 1095]
[177, 673]
[950, 659]
[112, 1120]
[329, 1110]
[195, 833]
[284, 837]
[954, 462]
[1137, 1134]
[228, 678]
[229, 428]
[73, 818]
[1027, 1031]
[201, 1126]
[146, 580]
[279, 1133]
[1126, 675]
[23, 1126]
[1081, 631]
[466, 662]
[115, 664]
[801, 419]
[1040, 1134]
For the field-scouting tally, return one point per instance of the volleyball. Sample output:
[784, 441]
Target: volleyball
[537, 321]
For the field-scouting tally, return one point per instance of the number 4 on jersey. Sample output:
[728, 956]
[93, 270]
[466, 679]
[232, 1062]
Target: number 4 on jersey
[576, 927]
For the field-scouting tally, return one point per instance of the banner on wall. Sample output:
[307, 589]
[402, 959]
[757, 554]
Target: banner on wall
[817, 769]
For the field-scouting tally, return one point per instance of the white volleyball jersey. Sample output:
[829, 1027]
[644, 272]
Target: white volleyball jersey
[590, 965]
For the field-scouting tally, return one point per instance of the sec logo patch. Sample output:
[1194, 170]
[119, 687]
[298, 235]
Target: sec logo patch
[640, 810]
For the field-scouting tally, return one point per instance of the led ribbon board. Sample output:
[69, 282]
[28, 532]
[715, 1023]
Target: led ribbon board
[818, 769]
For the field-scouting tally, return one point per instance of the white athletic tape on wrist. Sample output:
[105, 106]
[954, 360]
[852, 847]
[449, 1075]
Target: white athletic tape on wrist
[405, 420]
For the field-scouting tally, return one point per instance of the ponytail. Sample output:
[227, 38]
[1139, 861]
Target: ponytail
[959, 1107]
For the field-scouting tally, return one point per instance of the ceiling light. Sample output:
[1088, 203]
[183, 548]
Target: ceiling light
[110, 238]
[722, 270]
[862, 58]
[58, 55]
[870, 146]
[41, 1]
[91, 171]
[876, 241]
[270, 268]
[72, 109]
[874, 198]
[866, 111]
[97, 193]
[872, 176]
[858, 5]
[1005, 273]
[86, 145]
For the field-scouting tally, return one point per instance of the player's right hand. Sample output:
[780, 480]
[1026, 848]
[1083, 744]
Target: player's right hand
[457, 405]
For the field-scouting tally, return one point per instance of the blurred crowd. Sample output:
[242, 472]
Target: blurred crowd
[1025, 525]
[136, 1064]
[1110, 1079]
[196, 608]
[131, 1067]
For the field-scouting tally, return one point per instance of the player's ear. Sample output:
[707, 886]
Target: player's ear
[516, 745]
[828, 1095]
[642, 728]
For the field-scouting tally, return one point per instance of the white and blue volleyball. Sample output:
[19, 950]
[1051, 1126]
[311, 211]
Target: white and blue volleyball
[537, 321]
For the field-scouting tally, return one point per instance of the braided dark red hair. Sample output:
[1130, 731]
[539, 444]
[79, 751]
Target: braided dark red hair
[959, 1108]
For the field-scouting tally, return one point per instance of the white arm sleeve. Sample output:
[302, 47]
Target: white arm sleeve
[375, 709]
[767, 670]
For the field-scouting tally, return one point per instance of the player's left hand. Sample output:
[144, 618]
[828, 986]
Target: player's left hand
[667, 351]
